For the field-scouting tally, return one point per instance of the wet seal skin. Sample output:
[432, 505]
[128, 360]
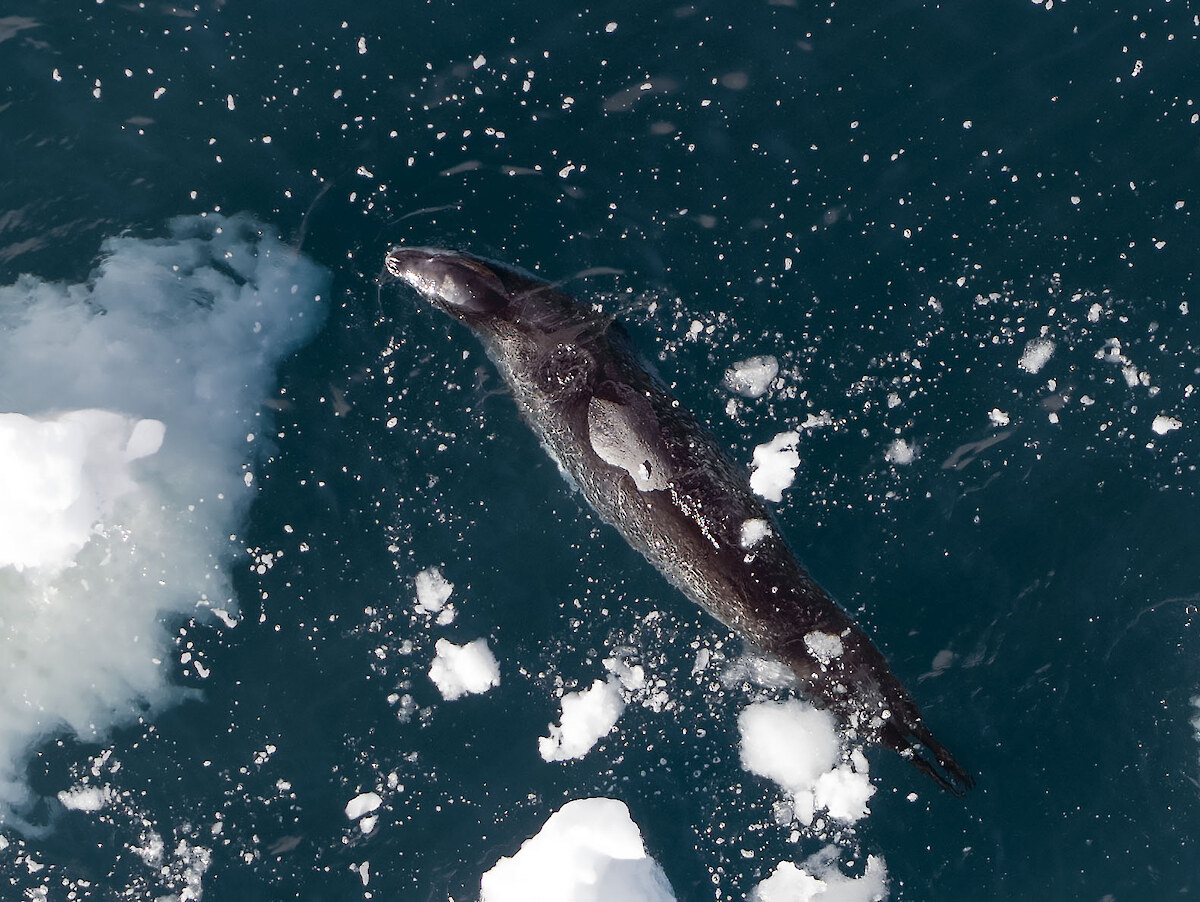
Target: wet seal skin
[651, 470]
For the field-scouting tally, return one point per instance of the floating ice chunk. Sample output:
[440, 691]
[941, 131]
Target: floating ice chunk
[823, 646]
[1163, 424]
[86, 798]
[363, 803]
[825, 882]
[461, 669]
[631, 676]
[754, 531]
[587, 717]
[590, 850]
[1036, 354]
[751, 377]
[773, 467]
[433, 590]
[788, 742]
[900, 453]
[844, 793]
[998, 417]
[797, 746]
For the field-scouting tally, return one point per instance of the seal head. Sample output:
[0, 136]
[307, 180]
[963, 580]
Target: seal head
[463, 286]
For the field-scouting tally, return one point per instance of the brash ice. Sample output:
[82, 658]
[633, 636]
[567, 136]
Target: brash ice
[651, 470]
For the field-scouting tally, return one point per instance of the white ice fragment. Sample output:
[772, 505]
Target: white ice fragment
[587, 717]
[823, 646]
[788, 742]
[998, 417]
[1163, 424]
[433, 590]
[900, 453]
[632, 676]
[820, 880]
[754, 530]
[844, 793]
[1036, 354]
[774, 464]
[590, 850]
[363, 803]
[817, 420]
[86, 798]
[797, 746]
[458, 670]
[751, 377]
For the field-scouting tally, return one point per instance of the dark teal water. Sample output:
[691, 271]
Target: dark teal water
[947, 180]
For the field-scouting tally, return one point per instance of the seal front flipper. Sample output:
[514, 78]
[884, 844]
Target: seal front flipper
[624, 432]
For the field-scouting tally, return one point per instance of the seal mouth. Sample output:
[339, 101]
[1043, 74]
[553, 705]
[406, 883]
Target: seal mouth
[458, 283]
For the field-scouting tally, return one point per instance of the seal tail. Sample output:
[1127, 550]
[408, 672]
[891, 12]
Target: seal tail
[913, 741]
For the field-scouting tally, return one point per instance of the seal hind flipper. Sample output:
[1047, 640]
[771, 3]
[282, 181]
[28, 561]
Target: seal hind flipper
[913, 741]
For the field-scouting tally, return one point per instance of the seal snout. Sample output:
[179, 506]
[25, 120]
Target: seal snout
[458, 283]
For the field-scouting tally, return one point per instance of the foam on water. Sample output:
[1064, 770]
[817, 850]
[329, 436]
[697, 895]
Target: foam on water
[132, 409]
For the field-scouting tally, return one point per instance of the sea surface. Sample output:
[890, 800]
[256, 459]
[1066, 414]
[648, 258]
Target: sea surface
[967, 231]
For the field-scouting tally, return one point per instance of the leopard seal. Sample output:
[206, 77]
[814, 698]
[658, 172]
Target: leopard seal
[649, 468]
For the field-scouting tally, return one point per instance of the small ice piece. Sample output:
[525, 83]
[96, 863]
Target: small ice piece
[363, 803]
[754, 531]
[844, 793]
[998, 417]
[632, 676]
[823, 646]
[773, 467]
[900, 453]
[589, 850]
[145, 439]
[461, 669]
[587, 717]
[86, 798]
[433, 590]
[1163, 424]
[751, 377]
[797, 746]
[788, 742]
[826, 883]
[1036, 354]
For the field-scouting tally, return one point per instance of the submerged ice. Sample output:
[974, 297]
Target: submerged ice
[127, 402]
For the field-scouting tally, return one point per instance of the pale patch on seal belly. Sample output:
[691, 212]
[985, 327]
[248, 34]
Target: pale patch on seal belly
[619, 435]
[823, 646]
